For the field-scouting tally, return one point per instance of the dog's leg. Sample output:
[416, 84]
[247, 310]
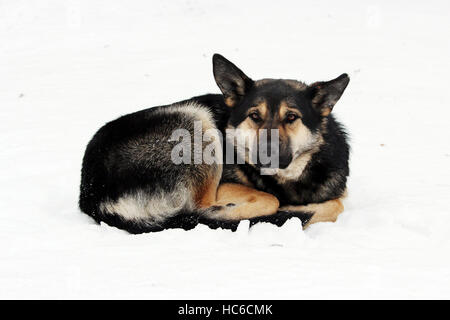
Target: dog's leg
[236, 202]
[327, 211]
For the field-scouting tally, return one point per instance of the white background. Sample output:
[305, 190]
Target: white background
[67, 67]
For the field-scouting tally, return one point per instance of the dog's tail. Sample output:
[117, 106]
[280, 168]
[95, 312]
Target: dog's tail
[188, 220]
[185, 220]
[282, 216]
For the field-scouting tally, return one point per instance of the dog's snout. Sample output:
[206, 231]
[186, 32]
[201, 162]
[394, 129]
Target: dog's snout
[285, 160]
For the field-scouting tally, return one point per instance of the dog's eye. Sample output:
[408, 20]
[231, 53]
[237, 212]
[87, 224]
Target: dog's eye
[291, 117]
[255, 116]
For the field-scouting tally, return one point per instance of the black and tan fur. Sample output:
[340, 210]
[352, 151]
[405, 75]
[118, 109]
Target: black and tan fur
[314, 152]
[129, 181]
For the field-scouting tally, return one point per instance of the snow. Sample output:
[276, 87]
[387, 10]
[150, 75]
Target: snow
[67, 67]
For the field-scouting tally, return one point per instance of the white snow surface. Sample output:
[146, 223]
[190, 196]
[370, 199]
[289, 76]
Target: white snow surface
[67, 67]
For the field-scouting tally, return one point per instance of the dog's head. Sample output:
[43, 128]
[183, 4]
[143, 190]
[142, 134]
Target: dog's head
[297, 110]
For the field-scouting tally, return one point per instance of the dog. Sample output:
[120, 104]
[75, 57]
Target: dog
[129, 178]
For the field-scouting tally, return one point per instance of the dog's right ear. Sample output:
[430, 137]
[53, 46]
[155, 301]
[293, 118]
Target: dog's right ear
[233, 83]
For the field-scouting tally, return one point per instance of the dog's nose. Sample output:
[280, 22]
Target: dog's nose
[285, 161]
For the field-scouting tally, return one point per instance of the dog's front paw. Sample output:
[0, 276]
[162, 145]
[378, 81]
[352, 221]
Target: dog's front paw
[217, 217]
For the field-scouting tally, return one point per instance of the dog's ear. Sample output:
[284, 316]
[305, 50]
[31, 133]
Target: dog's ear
[233, 83]
[325, 94]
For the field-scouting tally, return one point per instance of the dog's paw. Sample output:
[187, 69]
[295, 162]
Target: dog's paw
[216, 217]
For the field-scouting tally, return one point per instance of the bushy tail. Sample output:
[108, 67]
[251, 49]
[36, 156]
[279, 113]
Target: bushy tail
[281, 217]
[188, 220]
[181, 220]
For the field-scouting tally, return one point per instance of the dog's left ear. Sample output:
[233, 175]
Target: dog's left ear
[325, 94]
[233, 83]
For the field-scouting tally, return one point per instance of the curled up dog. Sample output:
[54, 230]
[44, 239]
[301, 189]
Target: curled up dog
[266, 151]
